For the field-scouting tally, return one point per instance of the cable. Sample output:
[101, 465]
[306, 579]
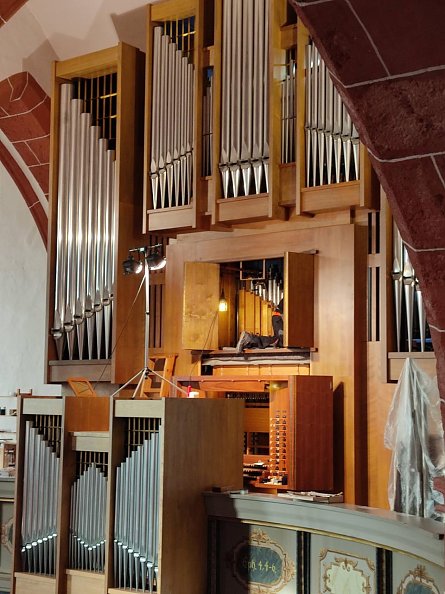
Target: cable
[121, 332]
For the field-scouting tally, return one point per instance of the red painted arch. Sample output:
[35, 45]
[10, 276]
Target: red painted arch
[25, 121]
[27, 191]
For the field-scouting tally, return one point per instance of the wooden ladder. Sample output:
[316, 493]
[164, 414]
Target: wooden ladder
[153, 385]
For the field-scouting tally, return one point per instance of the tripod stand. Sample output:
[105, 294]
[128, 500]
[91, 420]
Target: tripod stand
[149, 258]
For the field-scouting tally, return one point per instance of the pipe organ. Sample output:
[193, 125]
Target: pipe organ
[411, 328]
[288, 111]
[244, 160]
[87, 516]
[103, 496]
[172, 130]
[207, 124]
[40, 492]
[284, 419]
[85, 257]
[96, 173]
[136, 525]
[332, 141]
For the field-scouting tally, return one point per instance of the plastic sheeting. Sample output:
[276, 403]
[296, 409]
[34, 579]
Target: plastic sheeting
[415, 435]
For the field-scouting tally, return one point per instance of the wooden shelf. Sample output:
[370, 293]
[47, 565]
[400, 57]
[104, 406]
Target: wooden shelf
[330, 198]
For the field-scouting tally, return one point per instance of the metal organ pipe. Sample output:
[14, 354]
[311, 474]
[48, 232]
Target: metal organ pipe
[245, 113]
[40, 487]
[87, 522]
[331, 137]
[288, 114]
[172, 114]
[85, 233]
[408, 298]
[136, 527]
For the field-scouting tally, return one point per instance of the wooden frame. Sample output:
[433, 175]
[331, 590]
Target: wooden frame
[100, 425]
[305, 407]
[190, 216]
[127, 356]
[362, 193]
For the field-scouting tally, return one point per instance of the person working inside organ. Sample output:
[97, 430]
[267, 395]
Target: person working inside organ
[248, 340]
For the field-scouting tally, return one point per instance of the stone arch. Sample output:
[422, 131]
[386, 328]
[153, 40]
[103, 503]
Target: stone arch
[388, 62]
[25, 121]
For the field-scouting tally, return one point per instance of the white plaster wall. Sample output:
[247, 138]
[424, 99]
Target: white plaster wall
[22, 293]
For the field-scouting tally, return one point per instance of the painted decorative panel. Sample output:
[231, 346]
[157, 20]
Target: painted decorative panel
[256, 559]
[342, 567]
[414, 576]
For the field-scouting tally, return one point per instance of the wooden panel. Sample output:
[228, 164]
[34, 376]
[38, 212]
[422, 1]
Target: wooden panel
[369, 183]
[313, 434]
[90, 442]
[129, 353]
[288, 184]
[179, 9]
[277, 57]
[249, 311]
[298, 300]
[378, 403]
[289, 36]
[256, 420]
[80, 582]
[138, 408]
[335, 292]
[201, 299]
[87, 414]
[246, 208]
[332, 197]
[94, 371]
[67, 475]
[90, 65]
[184, 522]
[26, 583]
[426, 361]
[42, 406]
[257, 313]
[262, 369]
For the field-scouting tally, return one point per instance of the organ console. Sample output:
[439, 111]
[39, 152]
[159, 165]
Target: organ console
[288, 428]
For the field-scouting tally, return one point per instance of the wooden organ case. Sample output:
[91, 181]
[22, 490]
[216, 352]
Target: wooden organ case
[109, 492]
[96, 172]
[288, 428]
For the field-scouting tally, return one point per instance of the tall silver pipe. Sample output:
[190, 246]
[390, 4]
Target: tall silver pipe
[40, 504]
[321, 120]
[258, 95]
[66, 92]
[247, 98]
[308, 120]
[314, 112]
[338, 117]
[72, 222]
[329, 125]
[265, 68]
[81, 235]
[226, 97]
[408, 284]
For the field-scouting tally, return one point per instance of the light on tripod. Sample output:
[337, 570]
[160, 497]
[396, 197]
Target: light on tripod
[132, 266]
[151, 254]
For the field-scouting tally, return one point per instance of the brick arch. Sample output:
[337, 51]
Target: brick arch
[8, 8]
[389, 66]
[25, 121]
